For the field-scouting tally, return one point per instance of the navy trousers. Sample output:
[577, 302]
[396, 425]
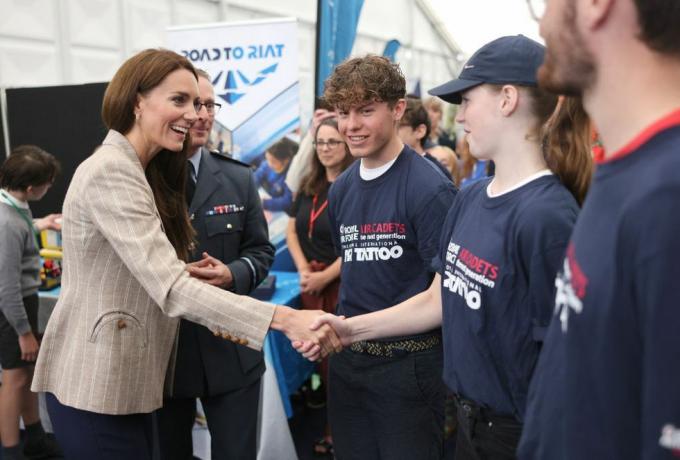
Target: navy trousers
[85, 435]
[232, 422]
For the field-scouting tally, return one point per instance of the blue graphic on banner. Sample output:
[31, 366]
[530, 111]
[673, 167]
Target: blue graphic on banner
[235, 90]
[338, 27]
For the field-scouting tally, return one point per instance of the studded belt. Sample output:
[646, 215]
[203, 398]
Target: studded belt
[387, 349]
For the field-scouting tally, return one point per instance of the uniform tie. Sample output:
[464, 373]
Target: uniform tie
[191, 183]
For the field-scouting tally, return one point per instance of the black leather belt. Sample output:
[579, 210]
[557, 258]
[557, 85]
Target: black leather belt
[388, 348]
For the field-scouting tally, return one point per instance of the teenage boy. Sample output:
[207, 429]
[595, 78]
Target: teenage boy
[386, 398]
[607, 383]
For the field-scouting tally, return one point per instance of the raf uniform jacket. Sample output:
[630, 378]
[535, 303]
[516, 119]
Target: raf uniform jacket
[109, 343]
[226, 213]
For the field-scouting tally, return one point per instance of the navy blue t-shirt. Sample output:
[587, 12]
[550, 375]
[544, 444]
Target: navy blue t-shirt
[608, 381]
[499, 259]
[387, 231]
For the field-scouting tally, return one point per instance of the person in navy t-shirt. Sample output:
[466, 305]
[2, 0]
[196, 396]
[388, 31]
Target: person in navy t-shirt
[607, 384]
[414, 129]
[386, 398]
[501, 245]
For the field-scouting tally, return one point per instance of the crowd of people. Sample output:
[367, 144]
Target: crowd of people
[511, 273]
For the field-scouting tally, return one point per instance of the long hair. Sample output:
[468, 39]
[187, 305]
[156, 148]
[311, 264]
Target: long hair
[166, 172]
[315, 180]
[566, 140]
[563, 129]
[467, 163]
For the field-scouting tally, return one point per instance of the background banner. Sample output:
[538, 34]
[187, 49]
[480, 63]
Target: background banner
[255, 72]
[337, 22]
[254, 67]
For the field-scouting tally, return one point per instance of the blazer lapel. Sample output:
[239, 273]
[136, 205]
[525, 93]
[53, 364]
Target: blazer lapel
[205, 186]
[115, 138]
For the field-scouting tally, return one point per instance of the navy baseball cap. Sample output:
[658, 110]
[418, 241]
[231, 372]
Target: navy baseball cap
[506, 60]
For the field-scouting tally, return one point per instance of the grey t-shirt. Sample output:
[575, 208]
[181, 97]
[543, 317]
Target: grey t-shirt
[19, 266]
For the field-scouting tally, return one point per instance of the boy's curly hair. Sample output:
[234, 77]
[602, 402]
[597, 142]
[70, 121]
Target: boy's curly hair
[365, 79]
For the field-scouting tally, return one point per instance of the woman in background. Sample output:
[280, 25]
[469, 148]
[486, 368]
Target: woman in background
[309, 234]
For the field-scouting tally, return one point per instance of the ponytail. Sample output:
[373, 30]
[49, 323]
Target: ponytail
[565, 133]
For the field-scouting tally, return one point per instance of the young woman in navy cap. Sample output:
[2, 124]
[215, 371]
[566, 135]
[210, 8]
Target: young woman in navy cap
[501, 246]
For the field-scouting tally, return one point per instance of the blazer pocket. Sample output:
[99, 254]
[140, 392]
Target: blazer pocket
[117, 322]
[223, 223]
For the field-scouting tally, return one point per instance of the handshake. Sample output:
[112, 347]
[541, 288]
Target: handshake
[313, 333]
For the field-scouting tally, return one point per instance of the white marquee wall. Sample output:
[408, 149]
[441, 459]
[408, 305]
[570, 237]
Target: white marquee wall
[54, 42]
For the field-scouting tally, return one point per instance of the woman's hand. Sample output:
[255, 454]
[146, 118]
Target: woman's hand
[313, 282]
[319, 116]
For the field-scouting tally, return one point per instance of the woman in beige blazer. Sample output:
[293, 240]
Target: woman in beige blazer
[108, 347]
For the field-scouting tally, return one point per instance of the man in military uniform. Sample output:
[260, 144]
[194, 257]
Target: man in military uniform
[234, 253]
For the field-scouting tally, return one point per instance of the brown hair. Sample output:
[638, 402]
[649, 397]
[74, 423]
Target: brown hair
[166, 172]
[28, 165]
[658, 20]
[467, 163]
[365, 79]
[434, 104]
[315, 181]
[416, 115]
[566, 140]
[563, 129]
[283, 150]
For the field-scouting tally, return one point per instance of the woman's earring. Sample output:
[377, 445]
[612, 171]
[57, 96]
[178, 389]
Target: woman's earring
[137, 116]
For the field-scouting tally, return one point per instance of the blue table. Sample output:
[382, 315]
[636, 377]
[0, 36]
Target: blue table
[291, 369]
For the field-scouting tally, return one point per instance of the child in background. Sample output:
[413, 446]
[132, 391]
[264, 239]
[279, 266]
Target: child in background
[271, 175]
[25, 176]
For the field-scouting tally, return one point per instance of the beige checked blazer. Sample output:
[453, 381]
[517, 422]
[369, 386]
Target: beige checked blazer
[109, 342]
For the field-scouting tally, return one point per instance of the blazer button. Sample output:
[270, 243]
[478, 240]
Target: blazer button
[121, 324]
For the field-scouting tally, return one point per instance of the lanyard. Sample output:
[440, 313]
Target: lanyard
[25, 217]
[315, 213]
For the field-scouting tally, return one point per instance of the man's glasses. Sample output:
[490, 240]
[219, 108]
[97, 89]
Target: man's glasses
[331, 143]
[536, 9]
[211, 107]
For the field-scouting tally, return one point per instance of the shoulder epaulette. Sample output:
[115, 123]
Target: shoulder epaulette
[224, 156]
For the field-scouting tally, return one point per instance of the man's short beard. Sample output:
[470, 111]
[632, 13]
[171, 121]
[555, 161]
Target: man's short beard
[568, 67]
